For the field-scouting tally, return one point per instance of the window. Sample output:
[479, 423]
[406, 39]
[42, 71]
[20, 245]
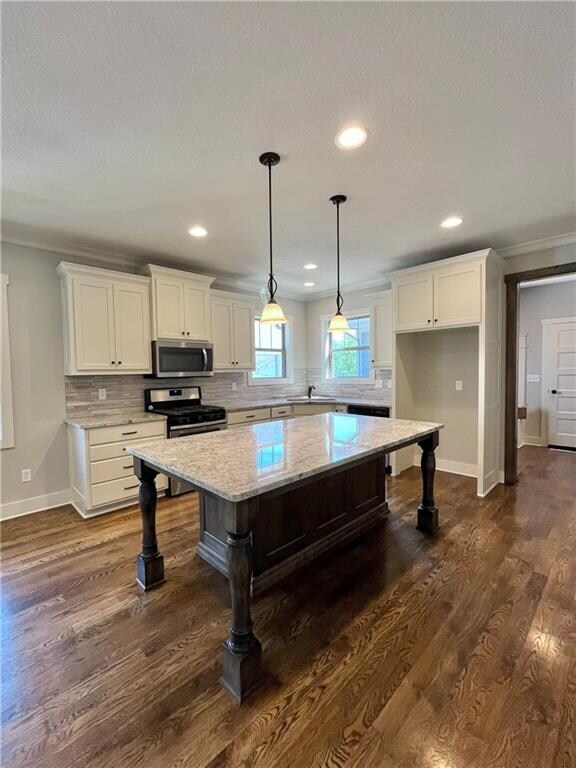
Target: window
[270, 343]
[6, 415]
[348, 352]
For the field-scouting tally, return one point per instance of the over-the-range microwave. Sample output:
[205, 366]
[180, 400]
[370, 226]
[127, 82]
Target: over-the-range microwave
[182, 358]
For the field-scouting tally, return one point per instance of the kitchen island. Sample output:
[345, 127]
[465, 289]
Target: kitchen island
[274, 495]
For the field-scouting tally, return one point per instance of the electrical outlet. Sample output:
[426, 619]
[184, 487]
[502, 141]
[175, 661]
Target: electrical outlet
[389, 384]
[26, 475]
[379, 384]
[234, 386]
[459, 386]
[101, 394]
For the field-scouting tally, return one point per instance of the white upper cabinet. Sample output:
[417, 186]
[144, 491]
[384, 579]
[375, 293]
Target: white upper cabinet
[180, 304]
[106, 319]
[458, 295]
[381, 330]
[442, 295]
[232, 332]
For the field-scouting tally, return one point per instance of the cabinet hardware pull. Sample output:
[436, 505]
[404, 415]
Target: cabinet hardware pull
[134, 432]
[183, 333]
[129, 487]
[428, 321]
[130, 466]
[113, 362]
[435, 319]
[251, 416]
[119, 362]
[187, 333]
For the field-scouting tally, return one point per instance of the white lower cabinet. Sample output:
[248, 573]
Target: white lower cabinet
[102, 472]
[312, 409]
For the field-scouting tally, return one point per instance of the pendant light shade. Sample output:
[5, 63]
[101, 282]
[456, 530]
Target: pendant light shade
[338, 323]
[272, 312]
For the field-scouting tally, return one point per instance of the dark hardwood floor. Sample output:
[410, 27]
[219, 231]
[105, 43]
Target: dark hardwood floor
[402, 651]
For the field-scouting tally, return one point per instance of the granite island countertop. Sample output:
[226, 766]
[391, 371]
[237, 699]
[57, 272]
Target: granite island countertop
[114, 419]
[240, 464]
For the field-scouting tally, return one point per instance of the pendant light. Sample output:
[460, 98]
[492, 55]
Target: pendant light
[338, 322]
[272, 312]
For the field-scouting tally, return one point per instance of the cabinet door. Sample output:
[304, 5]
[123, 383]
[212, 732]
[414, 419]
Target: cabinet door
[197, 313]
[243, 321]
[458, 295]
[413, 303]
[94, 324]
[381, 332]
[170, 322]
[132, 327]
[222, 335]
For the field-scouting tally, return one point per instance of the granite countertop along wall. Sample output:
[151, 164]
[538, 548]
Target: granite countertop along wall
[239, 405]
[261, 457]
[114, 419]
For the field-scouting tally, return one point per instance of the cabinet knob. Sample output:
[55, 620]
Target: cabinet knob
[435, 319]
[119, 362]
[428, 321]
[187, 333]
[183, 333]
[113, 362]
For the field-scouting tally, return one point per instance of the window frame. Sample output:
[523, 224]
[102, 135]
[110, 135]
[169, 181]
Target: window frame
[288, 358]
[327, 349]
[7, 402]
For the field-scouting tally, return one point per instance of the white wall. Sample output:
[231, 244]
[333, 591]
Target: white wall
[539, 303]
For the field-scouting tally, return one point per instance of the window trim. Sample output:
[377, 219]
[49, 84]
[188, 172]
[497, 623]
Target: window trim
[7, 403]
[325, 347]
[288, 377]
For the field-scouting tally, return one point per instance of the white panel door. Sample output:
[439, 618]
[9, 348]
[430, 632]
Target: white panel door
[381, 332]
[170, 321]
[222, 335]
[94, 324]
[559, 371]
[197, 313]
[132, 326]
[458, 295]
[243, 320]
[413, 307]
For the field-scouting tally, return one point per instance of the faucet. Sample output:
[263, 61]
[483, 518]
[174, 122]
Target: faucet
[310, 388]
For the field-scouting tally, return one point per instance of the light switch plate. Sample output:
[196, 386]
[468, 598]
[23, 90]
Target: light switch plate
[234, 386]
[533, 378]
[101, 394]
[459, 386]
[26, 475]
[379, 384]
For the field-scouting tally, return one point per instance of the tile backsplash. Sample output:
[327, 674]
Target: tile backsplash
[126, 393]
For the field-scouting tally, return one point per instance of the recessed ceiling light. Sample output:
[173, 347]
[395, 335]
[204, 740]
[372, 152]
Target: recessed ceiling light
[197, 231]
[352, 137]
[308, 285]
[451, 221]
[310, 266]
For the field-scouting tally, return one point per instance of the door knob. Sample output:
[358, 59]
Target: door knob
[553, 391]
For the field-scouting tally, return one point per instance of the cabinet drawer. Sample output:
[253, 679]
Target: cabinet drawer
[281, 411]
[125, 432]
[245, 417]
[341, 408]
[118, 490]
[111, 469]
[115, 450]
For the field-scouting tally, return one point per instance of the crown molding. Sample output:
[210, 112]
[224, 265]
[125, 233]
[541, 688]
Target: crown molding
[538, 245]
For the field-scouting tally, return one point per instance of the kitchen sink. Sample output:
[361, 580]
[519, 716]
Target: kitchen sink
[313, 399]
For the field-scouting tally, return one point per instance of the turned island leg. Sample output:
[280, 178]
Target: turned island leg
[427, 511]
[149, 563]
[241, 651]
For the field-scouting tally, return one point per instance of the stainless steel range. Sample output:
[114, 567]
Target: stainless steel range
[185, 416]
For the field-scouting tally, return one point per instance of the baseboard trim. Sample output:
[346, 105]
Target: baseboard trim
[34, 504]
[455, 467]
[534, 440]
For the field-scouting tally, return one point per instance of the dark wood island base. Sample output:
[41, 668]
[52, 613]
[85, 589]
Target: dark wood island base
[267, 536]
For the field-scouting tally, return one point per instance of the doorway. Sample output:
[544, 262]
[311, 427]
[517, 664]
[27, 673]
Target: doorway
[513, 283]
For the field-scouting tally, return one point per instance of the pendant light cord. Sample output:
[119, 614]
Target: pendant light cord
[339, 300]
[272, 284]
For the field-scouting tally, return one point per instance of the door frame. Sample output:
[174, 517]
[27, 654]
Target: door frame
[511, 379]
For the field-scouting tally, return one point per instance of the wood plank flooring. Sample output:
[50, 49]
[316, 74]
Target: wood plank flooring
[401, 651]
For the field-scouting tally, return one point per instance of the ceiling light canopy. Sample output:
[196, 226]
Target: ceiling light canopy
[451, 221]
[351, 137]
[197, 231]
[272, 312]
[309, 285]
[338, 322]
[310, 266]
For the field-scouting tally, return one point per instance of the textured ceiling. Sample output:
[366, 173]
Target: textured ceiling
[126, 123]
